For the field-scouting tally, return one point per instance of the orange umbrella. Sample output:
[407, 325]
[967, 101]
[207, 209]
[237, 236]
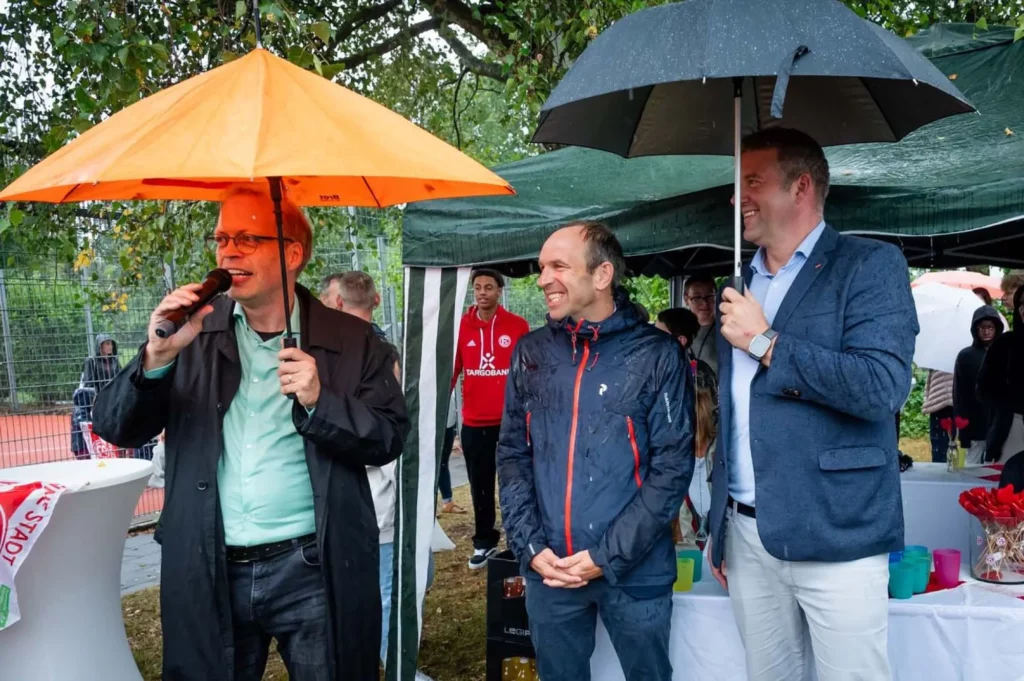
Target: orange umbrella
[251, 119]
[260, 121]
[967, 280]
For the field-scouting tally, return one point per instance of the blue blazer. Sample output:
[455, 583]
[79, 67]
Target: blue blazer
[822, 416]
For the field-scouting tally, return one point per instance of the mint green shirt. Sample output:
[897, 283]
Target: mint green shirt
[263, 481]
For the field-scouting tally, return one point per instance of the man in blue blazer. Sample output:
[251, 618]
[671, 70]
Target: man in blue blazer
[814, 360]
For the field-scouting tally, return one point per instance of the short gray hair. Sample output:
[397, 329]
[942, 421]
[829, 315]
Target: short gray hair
[356, 288]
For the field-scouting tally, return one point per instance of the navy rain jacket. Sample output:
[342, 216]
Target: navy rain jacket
[596, 445]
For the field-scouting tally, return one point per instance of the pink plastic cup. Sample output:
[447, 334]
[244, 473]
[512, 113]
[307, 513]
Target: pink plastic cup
[947, 567]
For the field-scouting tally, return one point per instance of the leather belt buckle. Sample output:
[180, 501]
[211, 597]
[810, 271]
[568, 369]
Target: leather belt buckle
[251, 554]
[743, 509]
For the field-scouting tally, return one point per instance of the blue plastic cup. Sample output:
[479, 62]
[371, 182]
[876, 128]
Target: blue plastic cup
[901, 580]
[921, 563]
[895, 557]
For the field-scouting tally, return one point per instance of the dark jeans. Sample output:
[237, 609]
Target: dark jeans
[480, 447]
[283, 598]
[563, 624]
[939, 437]
[444, 476]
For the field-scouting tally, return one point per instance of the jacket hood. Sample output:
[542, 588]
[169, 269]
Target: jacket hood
[103, 338]
[981, 314]
[625, 317]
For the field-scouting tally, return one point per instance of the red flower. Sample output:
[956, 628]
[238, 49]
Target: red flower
[946, 424]
[961, 423]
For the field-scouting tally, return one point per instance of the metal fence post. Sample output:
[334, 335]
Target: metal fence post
[90, 335]
[8, 344]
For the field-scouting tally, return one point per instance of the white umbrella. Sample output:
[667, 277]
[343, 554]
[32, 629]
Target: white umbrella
[945, 315]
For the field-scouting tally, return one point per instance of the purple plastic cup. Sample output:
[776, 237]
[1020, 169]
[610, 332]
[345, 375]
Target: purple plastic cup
[947, 567]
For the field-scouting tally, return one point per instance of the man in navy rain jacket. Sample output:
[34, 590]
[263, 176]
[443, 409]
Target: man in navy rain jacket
[594, 458]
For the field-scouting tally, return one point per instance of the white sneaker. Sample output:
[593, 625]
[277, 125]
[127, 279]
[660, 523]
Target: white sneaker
[420, 676]
[481, 556]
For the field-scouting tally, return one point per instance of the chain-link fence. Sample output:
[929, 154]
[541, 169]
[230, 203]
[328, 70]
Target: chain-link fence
[54, 319]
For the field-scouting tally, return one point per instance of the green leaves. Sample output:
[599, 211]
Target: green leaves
[321, 30]
[981, 24]
[86, 104]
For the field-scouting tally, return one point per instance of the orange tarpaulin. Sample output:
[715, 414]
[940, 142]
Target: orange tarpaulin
[257, 117]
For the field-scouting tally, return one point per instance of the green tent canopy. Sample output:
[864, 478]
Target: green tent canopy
[951, 193]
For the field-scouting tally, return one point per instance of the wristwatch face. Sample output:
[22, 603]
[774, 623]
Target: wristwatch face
[759, 346]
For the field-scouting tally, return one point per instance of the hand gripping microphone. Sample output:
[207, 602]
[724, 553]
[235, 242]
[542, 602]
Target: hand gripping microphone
[216, 282]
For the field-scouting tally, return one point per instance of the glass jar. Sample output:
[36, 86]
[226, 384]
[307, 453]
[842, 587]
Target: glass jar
[997, 552]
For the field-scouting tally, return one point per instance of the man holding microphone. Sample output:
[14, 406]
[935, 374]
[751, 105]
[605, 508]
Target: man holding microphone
[268, 528]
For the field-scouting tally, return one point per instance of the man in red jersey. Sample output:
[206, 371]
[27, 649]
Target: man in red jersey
[487, 335]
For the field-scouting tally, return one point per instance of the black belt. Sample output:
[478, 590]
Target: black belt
[250, 554]
[743, 509]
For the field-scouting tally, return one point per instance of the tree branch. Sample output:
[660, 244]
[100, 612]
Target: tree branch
[461, 14]
[360, 18]
[469, 60]
[389, 44]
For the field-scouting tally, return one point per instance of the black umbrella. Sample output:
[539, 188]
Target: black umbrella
[693, 77]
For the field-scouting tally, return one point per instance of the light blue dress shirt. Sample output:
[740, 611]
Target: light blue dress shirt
[264, 488]
[769, 290]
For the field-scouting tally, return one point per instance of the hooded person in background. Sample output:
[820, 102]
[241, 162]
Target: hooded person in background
[985, 328]
[1001, 387]
[97, 371]
[101, 369]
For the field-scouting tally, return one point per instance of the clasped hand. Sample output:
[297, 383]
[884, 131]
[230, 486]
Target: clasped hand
[569, 573]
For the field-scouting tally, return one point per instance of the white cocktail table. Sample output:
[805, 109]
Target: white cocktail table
[69, 587]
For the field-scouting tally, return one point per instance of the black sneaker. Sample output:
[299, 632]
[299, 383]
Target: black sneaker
[481, 556]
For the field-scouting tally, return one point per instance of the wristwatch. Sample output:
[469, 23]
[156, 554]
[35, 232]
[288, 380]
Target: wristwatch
[759, 346]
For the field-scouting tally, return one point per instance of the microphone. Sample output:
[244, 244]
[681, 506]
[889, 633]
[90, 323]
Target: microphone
[216, 282]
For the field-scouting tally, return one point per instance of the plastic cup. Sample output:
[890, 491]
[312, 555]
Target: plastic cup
[698, 561]
[908, 550]
[947, 567]
[895, 557]
[684, 574]
[921, 563]
[901, 580]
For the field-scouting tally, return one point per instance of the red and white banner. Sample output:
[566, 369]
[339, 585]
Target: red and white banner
[25, 510]
[97, 446]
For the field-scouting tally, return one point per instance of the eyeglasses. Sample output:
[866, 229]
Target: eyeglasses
[702, 299]
[245, 243]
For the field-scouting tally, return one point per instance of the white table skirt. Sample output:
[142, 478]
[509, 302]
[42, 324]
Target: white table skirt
[972, 633]
[69, 587]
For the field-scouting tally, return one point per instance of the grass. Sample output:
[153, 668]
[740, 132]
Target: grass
[454, 613]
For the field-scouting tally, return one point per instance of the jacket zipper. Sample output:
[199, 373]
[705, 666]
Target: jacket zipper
[528, 415]
[572, 447]
[636, 452]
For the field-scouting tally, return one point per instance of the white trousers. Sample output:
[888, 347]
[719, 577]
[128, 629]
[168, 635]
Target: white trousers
[838, 610]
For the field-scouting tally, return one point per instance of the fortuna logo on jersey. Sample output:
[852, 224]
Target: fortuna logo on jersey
[504, 340]
[487, 367]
